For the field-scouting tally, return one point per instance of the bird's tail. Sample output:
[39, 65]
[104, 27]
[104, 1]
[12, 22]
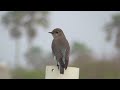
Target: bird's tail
[61, 70]
[62, 66]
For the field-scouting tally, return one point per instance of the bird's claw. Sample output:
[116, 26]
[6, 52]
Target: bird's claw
[58, 66]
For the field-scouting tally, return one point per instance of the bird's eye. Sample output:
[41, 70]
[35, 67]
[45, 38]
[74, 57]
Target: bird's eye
[56, 32]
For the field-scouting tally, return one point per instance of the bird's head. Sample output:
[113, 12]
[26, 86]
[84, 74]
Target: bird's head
[57, 32]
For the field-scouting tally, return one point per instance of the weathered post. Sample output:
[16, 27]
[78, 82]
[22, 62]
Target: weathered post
[52, 72]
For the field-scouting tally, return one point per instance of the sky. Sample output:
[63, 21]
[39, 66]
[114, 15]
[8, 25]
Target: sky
[82, 26]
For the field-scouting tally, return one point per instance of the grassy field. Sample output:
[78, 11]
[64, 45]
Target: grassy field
[88, 70]
[25, 74]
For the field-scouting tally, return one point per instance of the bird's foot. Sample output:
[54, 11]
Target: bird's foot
[58, 66]
[65, 67]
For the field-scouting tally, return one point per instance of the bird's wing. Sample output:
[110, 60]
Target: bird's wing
[53, 47]
[57, 52]
[61, 50]
[67, 52]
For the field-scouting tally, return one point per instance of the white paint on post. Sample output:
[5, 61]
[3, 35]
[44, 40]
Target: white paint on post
[52, 72]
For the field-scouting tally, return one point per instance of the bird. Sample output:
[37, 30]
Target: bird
[60, 49]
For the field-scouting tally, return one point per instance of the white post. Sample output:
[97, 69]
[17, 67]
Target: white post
[52, 72]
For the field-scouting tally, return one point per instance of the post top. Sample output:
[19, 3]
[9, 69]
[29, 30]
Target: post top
[52, 72]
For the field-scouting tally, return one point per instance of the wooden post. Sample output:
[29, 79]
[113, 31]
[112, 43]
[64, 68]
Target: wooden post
[52, 72]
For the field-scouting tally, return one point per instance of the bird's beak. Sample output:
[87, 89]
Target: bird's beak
[50, 32]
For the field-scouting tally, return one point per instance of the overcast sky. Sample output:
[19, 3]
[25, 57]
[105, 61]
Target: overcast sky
[81, 26]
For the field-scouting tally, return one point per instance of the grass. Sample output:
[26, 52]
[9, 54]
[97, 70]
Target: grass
[25, 74]
[88, 70]
[99, 70]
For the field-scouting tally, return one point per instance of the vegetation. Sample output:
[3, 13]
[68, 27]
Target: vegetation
[113, 30]
[18, 22]
[27, 74]
[25, 23]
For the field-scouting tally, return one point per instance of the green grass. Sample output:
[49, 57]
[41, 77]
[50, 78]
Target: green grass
[88, 70]
[25, 74]
[99, 70]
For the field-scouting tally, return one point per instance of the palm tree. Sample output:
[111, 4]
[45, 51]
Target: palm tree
[112, 30]
[18, 21]
[15, 33]
[36, 18]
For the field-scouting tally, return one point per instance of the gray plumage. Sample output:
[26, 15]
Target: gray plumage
[60, 49]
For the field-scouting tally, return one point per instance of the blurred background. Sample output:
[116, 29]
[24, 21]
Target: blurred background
[94, 37]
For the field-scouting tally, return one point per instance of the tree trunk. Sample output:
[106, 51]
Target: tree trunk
[29, 43]
[17, 52]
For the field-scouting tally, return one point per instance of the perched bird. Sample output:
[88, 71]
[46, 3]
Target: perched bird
[60, 49]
